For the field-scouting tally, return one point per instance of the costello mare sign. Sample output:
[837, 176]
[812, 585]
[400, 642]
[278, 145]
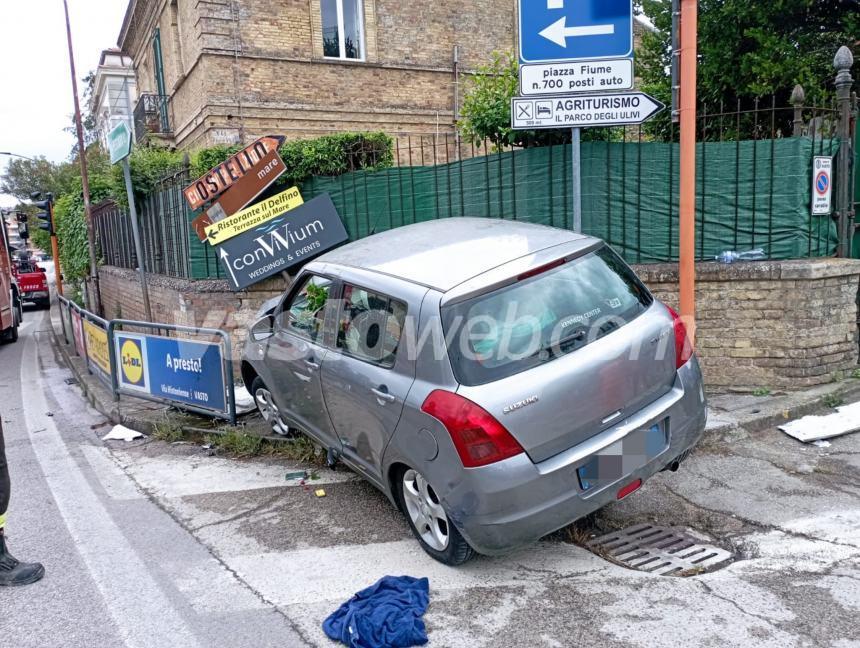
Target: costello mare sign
[229, 172]
[282, 243]
[172, 369]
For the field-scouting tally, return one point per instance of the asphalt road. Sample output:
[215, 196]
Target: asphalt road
[156, 544]
[119, 570]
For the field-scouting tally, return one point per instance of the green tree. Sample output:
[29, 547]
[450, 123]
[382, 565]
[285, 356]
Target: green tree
[753, 49]
[23, 177]
[486, 111]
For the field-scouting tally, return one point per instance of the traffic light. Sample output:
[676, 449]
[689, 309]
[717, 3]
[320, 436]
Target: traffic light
[21, 217]
[46, 216]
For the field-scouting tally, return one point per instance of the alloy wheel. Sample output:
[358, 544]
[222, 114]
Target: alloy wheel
[425, 511]
[270, 412]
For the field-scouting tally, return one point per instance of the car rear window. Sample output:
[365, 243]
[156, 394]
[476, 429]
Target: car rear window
[542, 318]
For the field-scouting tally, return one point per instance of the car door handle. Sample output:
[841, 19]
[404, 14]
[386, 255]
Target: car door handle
[313, 365]
[384, 395]
[302, 377]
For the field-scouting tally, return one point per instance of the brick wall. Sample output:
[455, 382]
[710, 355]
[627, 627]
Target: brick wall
[787, 324]
[208, 303]
[776, 325]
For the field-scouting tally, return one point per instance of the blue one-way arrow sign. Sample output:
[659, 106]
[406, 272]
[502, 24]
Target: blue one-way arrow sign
[572, 30]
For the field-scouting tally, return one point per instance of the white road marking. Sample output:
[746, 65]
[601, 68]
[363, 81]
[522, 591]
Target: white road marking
[132, 598]
[114, 481]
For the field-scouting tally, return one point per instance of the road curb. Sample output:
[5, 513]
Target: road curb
[803, 404]
[86, 382]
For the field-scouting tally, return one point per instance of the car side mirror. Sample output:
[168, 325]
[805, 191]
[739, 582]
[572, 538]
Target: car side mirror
[263, 328]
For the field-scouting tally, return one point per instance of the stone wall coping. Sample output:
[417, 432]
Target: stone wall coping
[800, 269]
[275, 284]
[654, 273]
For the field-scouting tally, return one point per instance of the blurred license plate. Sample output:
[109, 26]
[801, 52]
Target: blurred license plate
[624, 457]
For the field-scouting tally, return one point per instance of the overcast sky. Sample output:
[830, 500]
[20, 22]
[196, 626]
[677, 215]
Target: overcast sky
[35, 84]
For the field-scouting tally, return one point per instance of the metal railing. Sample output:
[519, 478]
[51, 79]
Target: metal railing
[110, 375]
[152, 116]
[754, 165]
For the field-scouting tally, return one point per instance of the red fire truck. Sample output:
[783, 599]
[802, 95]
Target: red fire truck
[11, 307]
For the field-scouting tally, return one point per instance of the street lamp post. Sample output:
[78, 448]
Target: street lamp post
[23, 157]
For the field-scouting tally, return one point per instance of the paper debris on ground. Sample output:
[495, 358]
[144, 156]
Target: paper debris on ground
[822, 444]
[122, 433]
[813, 428]
[244, 400]
[319, 493]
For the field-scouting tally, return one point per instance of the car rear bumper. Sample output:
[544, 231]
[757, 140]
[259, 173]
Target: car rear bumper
[515, 502]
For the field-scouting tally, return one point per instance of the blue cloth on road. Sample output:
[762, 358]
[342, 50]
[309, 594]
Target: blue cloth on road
[385, 615]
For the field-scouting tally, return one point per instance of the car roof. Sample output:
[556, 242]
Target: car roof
[445, 253]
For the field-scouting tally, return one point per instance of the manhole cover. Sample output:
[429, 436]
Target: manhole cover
[659, 550]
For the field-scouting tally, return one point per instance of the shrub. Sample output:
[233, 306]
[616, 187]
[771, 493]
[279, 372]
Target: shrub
[329, 155]
[486, 111]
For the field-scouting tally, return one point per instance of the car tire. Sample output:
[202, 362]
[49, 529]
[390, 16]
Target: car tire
[429, 521]
[268, 408]
[10, 335]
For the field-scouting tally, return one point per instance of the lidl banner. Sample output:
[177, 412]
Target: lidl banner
[172, 369]
[131, 362]
[98, 350]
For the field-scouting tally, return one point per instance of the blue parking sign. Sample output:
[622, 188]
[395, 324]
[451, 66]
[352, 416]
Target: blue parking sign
[572, 30]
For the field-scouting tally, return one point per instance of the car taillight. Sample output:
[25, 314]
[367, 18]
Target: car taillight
[683, 346]
[479, 438]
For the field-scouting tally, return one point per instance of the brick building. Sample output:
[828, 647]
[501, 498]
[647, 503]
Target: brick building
[225, 71]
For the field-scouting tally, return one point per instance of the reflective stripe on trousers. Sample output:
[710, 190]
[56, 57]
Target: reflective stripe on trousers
[4, 481]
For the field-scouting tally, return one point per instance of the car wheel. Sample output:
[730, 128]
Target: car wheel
[429, 521]
[268, 408]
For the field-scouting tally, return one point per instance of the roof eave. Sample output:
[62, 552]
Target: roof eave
[126, 21]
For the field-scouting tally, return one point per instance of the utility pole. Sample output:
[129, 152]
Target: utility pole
[94, 297]
[687, 110]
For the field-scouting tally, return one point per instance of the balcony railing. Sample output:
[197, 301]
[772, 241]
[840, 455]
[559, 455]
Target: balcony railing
[152, 116]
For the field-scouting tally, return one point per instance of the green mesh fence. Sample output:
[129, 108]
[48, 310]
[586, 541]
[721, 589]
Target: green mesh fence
[750, 194]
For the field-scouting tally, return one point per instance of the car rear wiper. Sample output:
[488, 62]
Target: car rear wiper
[574, 337]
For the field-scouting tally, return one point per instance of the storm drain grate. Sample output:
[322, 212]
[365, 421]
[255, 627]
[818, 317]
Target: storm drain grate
[659, 550]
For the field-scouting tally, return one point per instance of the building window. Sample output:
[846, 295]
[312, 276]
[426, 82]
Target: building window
[343, 29]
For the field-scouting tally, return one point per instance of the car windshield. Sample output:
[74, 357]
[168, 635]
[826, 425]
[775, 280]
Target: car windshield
[541, 318]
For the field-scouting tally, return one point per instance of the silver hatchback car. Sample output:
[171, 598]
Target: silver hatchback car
[496, 380]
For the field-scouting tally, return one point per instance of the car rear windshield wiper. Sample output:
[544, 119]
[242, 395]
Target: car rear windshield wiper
[573, 337]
